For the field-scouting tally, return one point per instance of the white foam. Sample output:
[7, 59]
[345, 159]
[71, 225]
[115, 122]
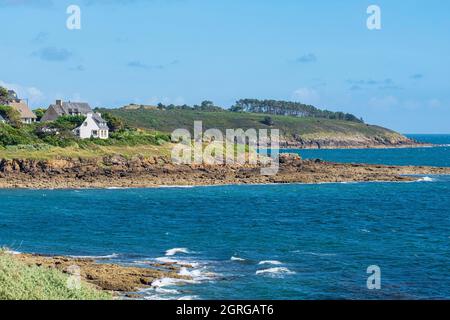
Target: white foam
[236, 259]
[275, 271]
[274, 262]
[426, 179]
[197, 274]
[174, 251]
[109, 256]
[188, 298]
[13, 252]
[178, 262]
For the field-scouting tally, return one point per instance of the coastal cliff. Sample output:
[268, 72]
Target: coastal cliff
[295, 132]
[117, 171]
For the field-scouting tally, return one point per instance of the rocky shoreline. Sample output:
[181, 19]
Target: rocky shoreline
[121, 280]
[140, 172]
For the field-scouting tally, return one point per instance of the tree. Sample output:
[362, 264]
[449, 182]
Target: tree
[39, 113]
[267, 121]
[114, 123]
[3, 95]
[68, 122]
[11, 114]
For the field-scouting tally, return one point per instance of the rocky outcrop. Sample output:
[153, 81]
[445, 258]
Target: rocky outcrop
[118, 171]
[348, 142]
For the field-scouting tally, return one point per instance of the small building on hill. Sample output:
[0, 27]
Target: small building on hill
[2, 120]
[93, 127]
[21, 106]
[61, 108]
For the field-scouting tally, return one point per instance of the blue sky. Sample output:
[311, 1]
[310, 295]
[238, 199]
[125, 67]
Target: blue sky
[186, 51]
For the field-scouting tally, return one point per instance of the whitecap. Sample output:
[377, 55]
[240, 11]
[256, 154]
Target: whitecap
[426, 179]
[197, 274]
[178, 262]
[174, 251]
[109, 256]
[274, 262]
[275, 271]
[164, 282]
[236, 259]
[188, 298]
[13, 252]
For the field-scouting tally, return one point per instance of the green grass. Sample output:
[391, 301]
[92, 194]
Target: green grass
[19, 281]
[169, 120]
[93, 151]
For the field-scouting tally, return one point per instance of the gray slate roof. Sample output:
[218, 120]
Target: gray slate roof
[1, 118]
[100, 121]
[72, 107]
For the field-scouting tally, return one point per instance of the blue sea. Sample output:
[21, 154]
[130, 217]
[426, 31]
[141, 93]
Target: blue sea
[292, 241]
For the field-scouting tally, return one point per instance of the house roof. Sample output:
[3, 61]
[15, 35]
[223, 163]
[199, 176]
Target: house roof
[100, 121]
[72, 107]
[21, 106]
[1, 118]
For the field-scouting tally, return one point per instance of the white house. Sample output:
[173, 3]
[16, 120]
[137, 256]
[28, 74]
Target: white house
[93, 127]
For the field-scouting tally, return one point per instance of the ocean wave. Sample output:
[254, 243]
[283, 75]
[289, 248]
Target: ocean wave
[426, 179]
[166, 282]
[274, 262]
[277, 271]
[188, 298]
[109, 256]
[197, 274]
[185, 263]
[236, 259]
[13, 252]
[317, 254]
[174, 251]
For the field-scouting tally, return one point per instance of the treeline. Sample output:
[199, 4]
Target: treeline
[288, 108]
[204, 106]
[274, 107]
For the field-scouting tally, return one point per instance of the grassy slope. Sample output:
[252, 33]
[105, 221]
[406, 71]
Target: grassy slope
[19, 281]
[91, 152]
[167, 121]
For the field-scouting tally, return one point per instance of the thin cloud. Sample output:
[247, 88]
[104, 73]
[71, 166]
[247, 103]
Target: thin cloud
[386, 84]
[78, 68]
[141, 65]
[40, 37]
[27, 3]
[53, 54]
[417, 76]
[307, 58]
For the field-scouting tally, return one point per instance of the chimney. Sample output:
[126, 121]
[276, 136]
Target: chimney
[59, 102]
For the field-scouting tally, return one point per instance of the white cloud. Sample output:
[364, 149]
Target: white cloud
[33, 94]
[306, 95]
